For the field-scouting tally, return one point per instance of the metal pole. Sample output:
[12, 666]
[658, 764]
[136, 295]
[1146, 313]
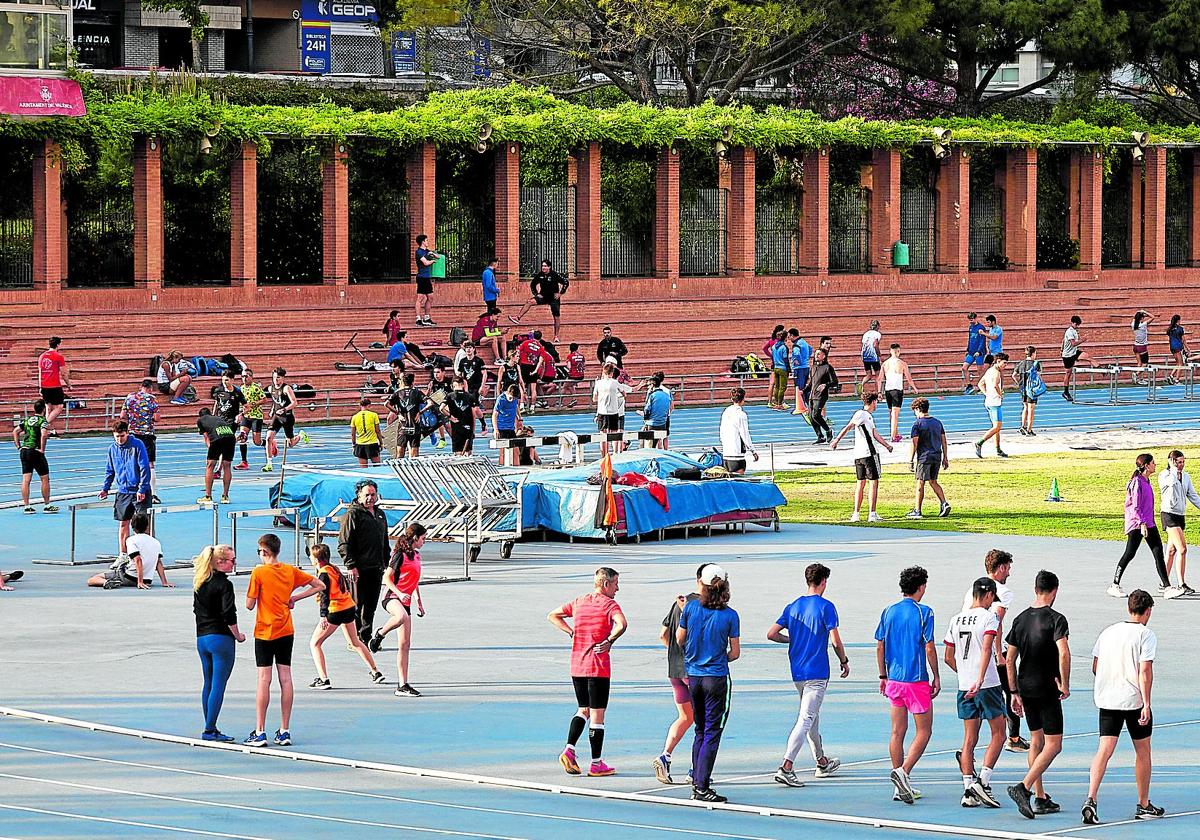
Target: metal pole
[772, 462]
[233, 533]
[216, 525]
[296, 529]
[71, 556]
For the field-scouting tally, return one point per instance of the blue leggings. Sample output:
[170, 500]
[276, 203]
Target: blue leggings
[217, 652]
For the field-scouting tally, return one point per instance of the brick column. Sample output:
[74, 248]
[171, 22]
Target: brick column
[49, 219]
[1020, 209]
[1072, 193]
[1091, 185]
[953, 212]
[147, 212]
[586, 174]
[508, 211]
[422, 196]
[741, 212]
[335, 216]
[885, 208]
[814, 220]
[1154, 235]
[666, 214]
[1135, 215]
[243, 217]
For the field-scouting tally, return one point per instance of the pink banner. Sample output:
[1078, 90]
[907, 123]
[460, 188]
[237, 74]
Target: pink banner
[25, 97]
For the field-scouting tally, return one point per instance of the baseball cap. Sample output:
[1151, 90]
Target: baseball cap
[610, 360]
[711, 573]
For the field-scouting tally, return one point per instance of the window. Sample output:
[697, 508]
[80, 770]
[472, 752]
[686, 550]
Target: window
[1009, 75]
[34, 35]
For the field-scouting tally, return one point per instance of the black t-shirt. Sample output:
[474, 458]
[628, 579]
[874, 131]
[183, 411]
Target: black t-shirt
[675, 666]
[472, 371]
[438, 391]
[461, 405]
[407, 403]
[1035, 634]
[509, 375]
[227, 403]
[546, 286]
[215, 427]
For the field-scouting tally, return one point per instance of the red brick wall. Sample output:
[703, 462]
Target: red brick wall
[243, 217]
[422, 195]
[666, 214]
[508, 210]
[953, 212]
[147, 212]
[885, 208]
[586, 175]
[335, 215]
[1020, 209]
[814, 221]
[1154, 220]
[1194, 239]
[1091, 185]
[741, 212]
[49, 227]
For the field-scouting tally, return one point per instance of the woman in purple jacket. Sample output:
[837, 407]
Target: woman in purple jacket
[1139, 525]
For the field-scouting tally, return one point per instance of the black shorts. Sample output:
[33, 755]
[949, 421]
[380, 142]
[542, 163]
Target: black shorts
[126, 505]
[591, 692]
[1111, 721]
[254, 424]
[34, 460]
[407, 438]
[871, 367]
[287, 422]
[164, 388]
[1173, 520]
[1044, 713]
[151, 444]
[268, 652]
[120, 576]
[867, 469]
[528, 374]
[555, 305]
[1069, 361]
[222, 449]
[391, 596]
[366, 451]
[610, 422]
[1028, 400]
[928, 470]
[894, 397]
[54, 396]
[424, 285]
[735, 464]
[341, 617]
[461, 437]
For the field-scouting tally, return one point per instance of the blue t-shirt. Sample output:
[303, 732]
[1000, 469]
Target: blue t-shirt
[1175, 336]
[905, 628]
[928, 431]
[801, 353]
[995, 340]
[397, 352]
[422, 269]
[658, 407]
[808, 621]
[779, 355]
[506, 412]
[976, 339]
[490, 292]
[706, 649]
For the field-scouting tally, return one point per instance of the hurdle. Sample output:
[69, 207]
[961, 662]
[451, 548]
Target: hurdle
[577, 440]
[153, 510]
[1112, 373]
[235, 515]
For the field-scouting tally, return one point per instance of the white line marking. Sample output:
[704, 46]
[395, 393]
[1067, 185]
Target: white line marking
[192, 831]
[1121, 822]
[521, 784]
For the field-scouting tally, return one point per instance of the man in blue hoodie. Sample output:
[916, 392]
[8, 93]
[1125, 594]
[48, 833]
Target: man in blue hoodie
[490, 291]
[129, 466]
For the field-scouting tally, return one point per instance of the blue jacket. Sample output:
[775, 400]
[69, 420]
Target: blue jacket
[658, 407]
[130, 466]
[490, 292]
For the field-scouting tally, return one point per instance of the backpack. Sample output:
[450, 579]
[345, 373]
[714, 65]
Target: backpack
[155, 364]
[757, 368]
[739, 365]
[305, 392]
[457, 336]
[438, 360]
[1035, 386]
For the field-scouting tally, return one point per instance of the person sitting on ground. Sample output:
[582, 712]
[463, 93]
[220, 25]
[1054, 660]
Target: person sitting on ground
[174, 377]
[9, 577]
[403, 352]
[145, 559]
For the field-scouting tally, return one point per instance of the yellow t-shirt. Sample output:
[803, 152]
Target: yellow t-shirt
[365, 424]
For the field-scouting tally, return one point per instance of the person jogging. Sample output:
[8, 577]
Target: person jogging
[971, 643]
[976, 350]
[822, 384]
[1039, 670]
[807, 626]
[1177, 490]
[929, 454]
[424, 257]
[1177, 346]
[219, 437]
[801, 361]
[363, 547]
[490, 291]
[991, 384]
[54, 379]
[217, 631]
[252, 415]
[908, 676]
[403, 585]
[736, 442]
[710, 634]
[30, 437]
[870, 354]
[1123, 662]
[283, 415]
[867, 467]
[140, 411]
[1139, 525]
[1072, 354]
[272, 595]
[677, 676]
[337, 610]
[365, 434]
[128, 467]
[406, 406]
[597, 622]
[895, 377]
[1027, 376]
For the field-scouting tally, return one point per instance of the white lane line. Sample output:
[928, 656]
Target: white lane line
[379, 796]
[1121, 822]
[520, 784]
[278, 812]
[192, 831]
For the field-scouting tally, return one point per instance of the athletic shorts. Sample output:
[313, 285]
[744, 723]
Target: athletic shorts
[995, 413]
[222, 449]
[867, 469]
[591, 692]
[917, 697]
[391, 596]
[894, 397]
[683, 694]
[871, 366]
[987, 704]
[407, 438]
[1169, 520]
[555, 305]
[119, 575]
[800, 376]
[461, 438]
[254, 424]
[340, 617]
[1069, 361]
[268, 652]
[665, 427]
[973, 359]
[54, 396]
[286, 422]
[366, 451]
[150, 441]
[1028, 400]
[1142, 352]
[610, 422]
[126, 505]
[735, 465]
[1111, 721]
[33, 460]
[928, 470]
[424, 285]
[1044, 713]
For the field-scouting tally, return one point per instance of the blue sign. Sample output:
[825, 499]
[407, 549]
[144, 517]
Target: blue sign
[483, 55]
[404, 52]
[314, 53]
[338, 11]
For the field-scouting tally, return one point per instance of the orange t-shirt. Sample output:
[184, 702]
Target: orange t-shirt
[336, 597]
[272, 585]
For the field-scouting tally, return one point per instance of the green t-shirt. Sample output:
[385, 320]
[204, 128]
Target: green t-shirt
[31, 431]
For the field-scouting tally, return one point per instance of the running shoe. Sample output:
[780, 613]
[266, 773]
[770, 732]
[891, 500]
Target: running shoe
[304, 438]
[904, 787]
[407, 690]
[429, 322]
[968, 800]
[662, 770]
[874, 517]
[204, 500]
[154, 500]
[1149, 811]
[224, 500]
[854, 517]
[113, 584]
[945, 509]
[245, 465]
[982, 794]
[979, 450]
[30, 510]
[1000, 453]
[1187, 590]
[913, 514]
[1018, 744]
[967, 390]
[378, 678]
[50, 509]
[896, 438]
[441, 444]
[831, 765]
[1021, 795]
[1172, 592]
[1045, 806]
[1022, 431]
[599, 768]
[708, 795]
[1031, 432]
[179, 401]
[16, 574]
[1067, 396]
[1116, 591]
[267, 468]
[218, 736]
[567, 759]
[283, 738]
[1089, 813]
[788, 778]
[320, 684]
[916, 794]
[256, 739]
[375, 644]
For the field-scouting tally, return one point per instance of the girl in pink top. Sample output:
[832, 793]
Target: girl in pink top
[1139, 525]
[402, 581]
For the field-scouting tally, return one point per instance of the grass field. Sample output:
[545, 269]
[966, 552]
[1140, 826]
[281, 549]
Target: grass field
[991, 496]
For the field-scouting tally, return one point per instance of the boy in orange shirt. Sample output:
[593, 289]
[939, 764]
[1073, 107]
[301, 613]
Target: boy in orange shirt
[337, 610]
[271, 586]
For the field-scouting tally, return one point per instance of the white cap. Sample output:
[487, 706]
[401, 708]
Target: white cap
[711, 573]
[610, 360]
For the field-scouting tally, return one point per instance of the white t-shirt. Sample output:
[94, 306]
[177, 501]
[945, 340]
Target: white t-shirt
[1004, 598]
[610, 396]
[150, 550]
[735, 433]
[992, 387]
[965, 634]
[1070, 343]
[1119, 652]
[870, 345]
[864, 428]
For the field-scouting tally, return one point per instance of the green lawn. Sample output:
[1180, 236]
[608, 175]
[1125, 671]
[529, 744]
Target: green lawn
[991, 496]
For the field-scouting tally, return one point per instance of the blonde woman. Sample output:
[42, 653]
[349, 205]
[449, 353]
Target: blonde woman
[216, 630]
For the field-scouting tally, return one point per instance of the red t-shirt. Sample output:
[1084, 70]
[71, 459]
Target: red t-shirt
[575, 363]
[49, 364]
[549, 371]
[528, 352]
[594, 614]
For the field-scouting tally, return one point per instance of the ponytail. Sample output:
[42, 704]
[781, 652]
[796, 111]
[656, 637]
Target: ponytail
[1142, 462]
[205, 563]
[404, 543]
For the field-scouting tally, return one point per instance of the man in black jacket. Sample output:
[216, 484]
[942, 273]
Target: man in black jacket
[610, 345]
[363, 546]
[547, 287]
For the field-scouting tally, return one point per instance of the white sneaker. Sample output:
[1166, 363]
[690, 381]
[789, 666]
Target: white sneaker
[874, 517]
[913, 514]
[1116, 591]
[831, 767]
[1172, 592]
[854, 517]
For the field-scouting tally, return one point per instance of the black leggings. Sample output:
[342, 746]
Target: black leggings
[1134, 539]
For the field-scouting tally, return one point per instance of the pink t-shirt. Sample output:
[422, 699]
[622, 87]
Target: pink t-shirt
[49, 364]
[594, 614]
[408, 577]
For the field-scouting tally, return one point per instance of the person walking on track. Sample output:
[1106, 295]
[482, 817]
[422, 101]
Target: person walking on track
[363, 547]
[403, 585]
[337, 610]
[30, 437]
[1177, 490]
[677, 675]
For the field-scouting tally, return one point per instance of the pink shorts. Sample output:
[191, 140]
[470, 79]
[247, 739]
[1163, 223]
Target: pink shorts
[682, 693]
[917, 697]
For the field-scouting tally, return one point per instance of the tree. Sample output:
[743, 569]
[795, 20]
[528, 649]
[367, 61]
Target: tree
[193, 15]
[1164, 52]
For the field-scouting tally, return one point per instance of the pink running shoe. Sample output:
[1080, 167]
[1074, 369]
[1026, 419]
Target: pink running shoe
[599, 768]
[568, 762]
